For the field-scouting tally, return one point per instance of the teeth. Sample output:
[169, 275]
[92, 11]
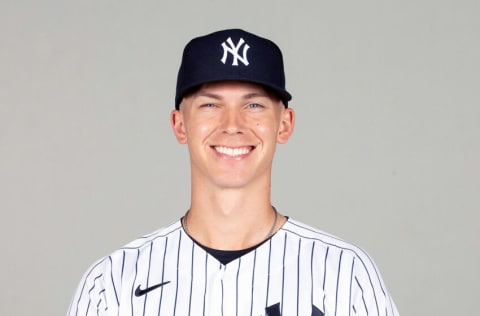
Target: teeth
[233, 151]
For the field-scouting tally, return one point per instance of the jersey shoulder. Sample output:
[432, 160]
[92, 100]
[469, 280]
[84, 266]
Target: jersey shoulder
[137, 246]
[168, 231]
[144, 243]
[314, 235]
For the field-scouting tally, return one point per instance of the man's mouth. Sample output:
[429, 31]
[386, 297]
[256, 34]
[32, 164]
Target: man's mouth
[233, 152]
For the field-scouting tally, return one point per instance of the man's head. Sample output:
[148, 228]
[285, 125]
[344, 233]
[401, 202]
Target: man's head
[231, 55]
[231, 109]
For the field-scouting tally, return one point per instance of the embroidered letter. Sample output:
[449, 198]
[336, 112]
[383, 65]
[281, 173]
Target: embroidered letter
[233, 49]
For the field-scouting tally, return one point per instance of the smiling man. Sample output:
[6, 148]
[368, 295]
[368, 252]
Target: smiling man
[233, 253]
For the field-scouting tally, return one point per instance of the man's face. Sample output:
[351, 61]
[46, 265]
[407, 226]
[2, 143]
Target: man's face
[231, 129]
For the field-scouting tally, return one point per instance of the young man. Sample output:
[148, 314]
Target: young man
[233, 253]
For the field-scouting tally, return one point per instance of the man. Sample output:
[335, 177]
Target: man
[233, 253]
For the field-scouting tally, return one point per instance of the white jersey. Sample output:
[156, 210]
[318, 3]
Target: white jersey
[298, 271]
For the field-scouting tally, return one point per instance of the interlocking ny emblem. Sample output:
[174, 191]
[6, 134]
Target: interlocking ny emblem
[233, 49]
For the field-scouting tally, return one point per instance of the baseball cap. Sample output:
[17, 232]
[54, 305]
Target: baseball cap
[232, 54]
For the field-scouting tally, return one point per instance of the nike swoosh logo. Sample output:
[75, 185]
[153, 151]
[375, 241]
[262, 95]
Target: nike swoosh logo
[140, 292]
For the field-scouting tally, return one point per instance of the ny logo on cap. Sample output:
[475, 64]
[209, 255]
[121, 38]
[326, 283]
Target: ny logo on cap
[233, 49]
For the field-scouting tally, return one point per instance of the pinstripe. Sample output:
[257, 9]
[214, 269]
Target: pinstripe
[191, 282]
[206, 284]
[123, 263]
[363, 297]
[269, 263]
[222, 298]
[283, 274]
[338, 280]
[100, 300]
[253, 280]
[91, 289]
[111, 276]
[177, 278]
[311, 272]
[298, 276]
[99, 294]
[371, 283]
[351, 285]
[148, 277]
[325, 277]
[98, 305]
[163, 274]
[237, 291]
[135, 278]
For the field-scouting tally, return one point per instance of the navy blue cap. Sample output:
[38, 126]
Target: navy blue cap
[231, 55]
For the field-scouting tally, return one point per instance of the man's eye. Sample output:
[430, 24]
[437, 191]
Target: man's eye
[208, 105]
[254, 106]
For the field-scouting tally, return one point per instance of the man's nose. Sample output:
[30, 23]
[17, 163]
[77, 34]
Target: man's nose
[233, 121]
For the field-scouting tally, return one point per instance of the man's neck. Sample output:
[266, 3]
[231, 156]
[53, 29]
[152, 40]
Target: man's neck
[231, 219]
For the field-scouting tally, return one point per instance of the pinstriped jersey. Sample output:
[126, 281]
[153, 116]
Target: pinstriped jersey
[298, 271]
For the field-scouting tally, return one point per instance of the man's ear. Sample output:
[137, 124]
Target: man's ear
[178, 126]
[286, 125]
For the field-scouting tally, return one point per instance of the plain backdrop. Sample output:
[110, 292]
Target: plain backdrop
[385, 153]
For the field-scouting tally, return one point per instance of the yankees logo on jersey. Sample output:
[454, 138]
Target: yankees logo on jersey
[298, 271]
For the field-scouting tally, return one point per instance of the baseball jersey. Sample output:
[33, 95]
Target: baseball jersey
[298, 271]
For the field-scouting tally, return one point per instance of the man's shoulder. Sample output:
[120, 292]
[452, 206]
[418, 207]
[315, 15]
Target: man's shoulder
[303, 230]
[169, 231]
[135, 247]
[310, 234]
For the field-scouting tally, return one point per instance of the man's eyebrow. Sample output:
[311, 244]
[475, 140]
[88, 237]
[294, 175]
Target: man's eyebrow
[218, 97]
[209, 95]
[255, 95]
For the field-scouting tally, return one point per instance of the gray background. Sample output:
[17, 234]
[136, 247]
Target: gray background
[385, 154]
